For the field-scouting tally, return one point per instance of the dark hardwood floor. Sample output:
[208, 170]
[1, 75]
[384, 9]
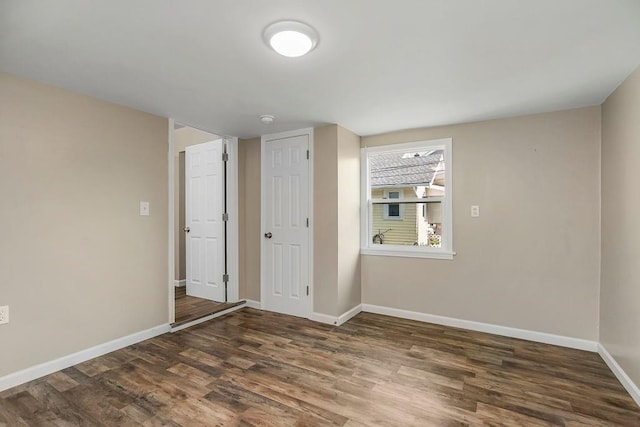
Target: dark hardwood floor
[254, 368]
[190, 308]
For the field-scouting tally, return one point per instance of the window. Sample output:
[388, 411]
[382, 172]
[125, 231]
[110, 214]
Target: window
[393, 210]
[417, 176]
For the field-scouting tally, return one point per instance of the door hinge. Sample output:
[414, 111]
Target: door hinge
[225, 157]
[225, 216]
[307, 154]
[307, 290]
[307, 222]
[225, 278]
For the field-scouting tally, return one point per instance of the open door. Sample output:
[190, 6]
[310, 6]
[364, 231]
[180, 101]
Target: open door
[204, 222]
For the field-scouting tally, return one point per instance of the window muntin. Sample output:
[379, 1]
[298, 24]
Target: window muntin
[418, 175]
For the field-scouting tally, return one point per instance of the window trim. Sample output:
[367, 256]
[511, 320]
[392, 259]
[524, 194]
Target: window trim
[366, 212]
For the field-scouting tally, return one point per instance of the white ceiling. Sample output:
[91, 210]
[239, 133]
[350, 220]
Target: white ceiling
[379, 66]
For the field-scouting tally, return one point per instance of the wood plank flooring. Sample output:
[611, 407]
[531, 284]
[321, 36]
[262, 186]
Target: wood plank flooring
[190, 308]
[254, 368]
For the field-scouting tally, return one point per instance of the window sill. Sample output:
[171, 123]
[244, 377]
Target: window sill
[407, 253]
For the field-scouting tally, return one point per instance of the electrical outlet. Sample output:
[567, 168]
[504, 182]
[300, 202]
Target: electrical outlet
[4, 314]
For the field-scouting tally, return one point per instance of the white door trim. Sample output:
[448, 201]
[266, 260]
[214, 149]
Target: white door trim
[171, 223]
[232, 203]
[233, 288]
[263, 225]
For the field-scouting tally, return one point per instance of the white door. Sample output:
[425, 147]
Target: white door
[203, 220]
[285, 212]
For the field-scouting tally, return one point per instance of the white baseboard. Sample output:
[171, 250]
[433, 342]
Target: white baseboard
[336, 320]
[179, 283]
[344, 317]
[323, 318]
[206, 318]
[622, 376]
[316, 317]
[253, 304]
[46, 368]
[542, 337]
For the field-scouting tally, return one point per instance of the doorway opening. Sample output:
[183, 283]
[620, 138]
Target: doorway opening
[203, 222]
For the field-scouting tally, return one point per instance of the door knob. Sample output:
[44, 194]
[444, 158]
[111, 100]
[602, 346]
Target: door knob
[268, 235]
[186, 229]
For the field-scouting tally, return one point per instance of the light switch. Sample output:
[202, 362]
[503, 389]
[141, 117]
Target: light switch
[144, 208]
[475, 211]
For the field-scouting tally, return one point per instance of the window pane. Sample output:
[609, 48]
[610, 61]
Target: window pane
[419, 225]
[410, 175]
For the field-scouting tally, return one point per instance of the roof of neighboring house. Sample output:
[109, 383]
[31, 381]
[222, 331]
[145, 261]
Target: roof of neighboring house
[394, 170]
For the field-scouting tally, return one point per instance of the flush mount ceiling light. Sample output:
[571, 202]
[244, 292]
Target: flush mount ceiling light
[267, 119]
[291, 38]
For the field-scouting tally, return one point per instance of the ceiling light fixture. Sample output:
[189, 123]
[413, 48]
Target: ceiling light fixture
[291, 38]
[267, 119]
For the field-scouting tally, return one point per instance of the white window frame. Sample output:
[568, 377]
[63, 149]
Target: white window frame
[385, 208]
[366, 213]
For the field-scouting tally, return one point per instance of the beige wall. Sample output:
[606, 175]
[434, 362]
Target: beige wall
[520, 264]
[186, 136]
[79, 266]
[249, 217]
[183, 138]
[620, 280]
[336, 205]
[325, 220]
[349, 276]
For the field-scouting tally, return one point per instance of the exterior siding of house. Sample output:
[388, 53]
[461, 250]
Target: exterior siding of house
[402, 232]
[434, 211]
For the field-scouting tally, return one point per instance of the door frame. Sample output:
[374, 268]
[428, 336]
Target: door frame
[263, 225]
[233, 288]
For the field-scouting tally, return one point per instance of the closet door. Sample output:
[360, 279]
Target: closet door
[204, 225]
